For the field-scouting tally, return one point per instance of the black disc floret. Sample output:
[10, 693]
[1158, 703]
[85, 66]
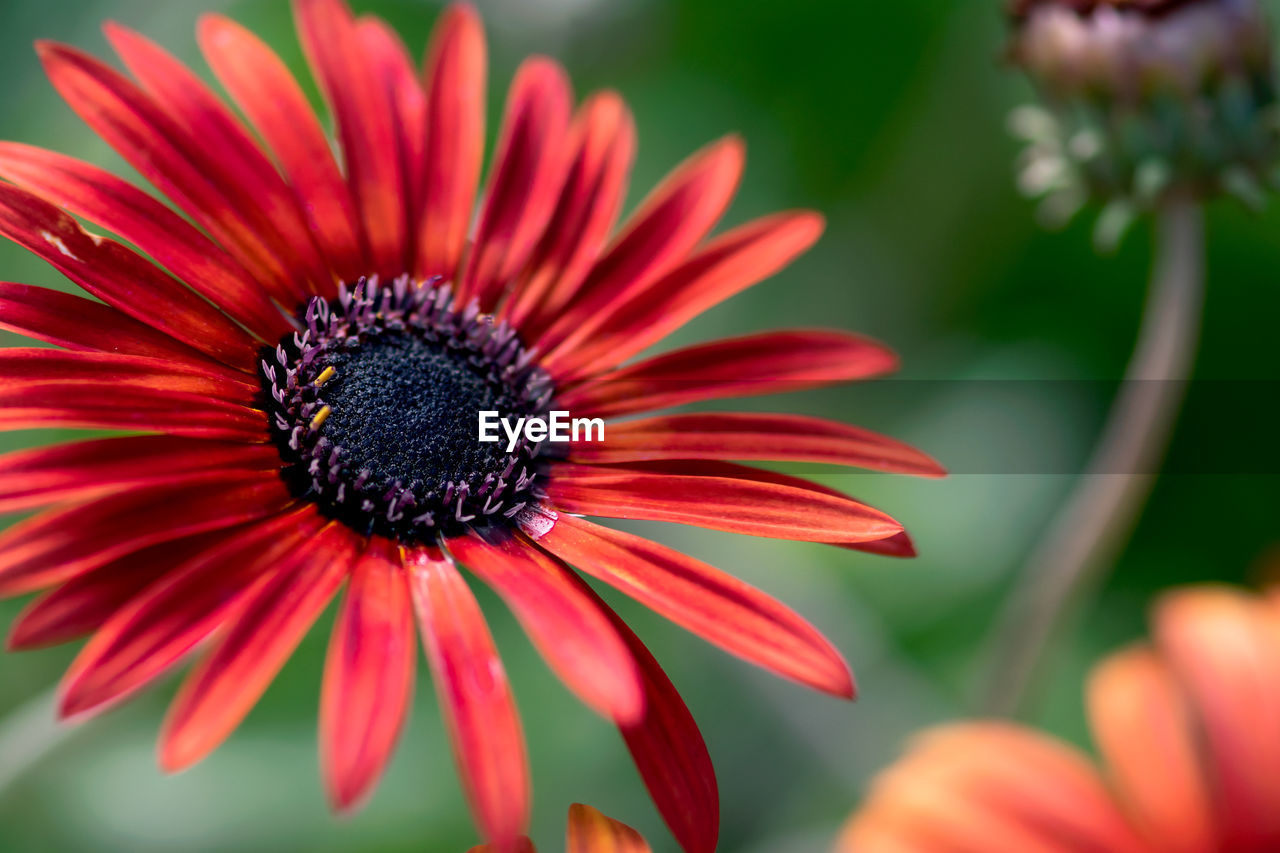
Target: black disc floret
[374, 405]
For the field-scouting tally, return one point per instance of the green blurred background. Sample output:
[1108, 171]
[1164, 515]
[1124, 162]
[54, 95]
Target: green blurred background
[889, 118]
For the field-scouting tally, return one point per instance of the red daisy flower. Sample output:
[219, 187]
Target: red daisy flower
[307, 361]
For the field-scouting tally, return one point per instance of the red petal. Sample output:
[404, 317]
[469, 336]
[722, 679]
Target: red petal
[781, 438]
[368, 676]
[253, 646]
[754, 507]
[120, 278]
[146, 410]
[118, 206]
[386, 51]
[83, 604]
[475, 698]
[365, 115]
[171, 159]
[245, 172]
[64, 472]
[603, 139]
[670, 754]
[1224, 647]
[525, 181]
[766, 363]
[82, 324]
[60, 544]
[658, 236]
[893, 546]
[729, 265]
[262, 86]
[564, 623]
[100, 373]
[455, 82]
[1145, 731]
[716, 606]
[162, 625]
[592, 832]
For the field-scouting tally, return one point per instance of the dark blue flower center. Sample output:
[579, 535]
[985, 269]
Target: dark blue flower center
[375, 408]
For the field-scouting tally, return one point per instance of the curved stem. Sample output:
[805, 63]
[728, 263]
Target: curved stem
[1100, 515]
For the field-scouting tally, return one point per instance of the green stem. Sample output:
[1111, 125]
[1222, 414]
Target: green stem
[1097, 519]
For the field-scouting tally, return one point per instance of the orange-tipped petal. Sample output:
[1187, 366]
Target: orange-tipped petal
[365, 114]
[170, 158]
[670, 754]
[524, 183]
[475, 697]
[669, 224]
[134, 408]
[368, 676]
[764, 437]
[455, 77]
[592, 832]
[384, 49]
[64, 472]
[563, 620]
[61, 543]
[728, 265]
[263, 87]
[159, 628]
[244, 171]
[118, 206]
[767, 363]
[714, 605]
[755, 507]
[83, 604]
[40, 367]
[603, 141]
[120, 277]
[80, 324]
[253, 646]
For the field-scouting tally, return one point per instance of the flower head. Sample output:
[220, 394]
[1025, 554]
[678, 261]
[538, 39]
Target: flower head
[304, 350]
[1189, 733]
[1145, 99]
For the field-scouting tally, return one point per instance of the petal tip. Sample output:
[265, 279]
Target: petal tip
[840, 683]
[462, 13]
[171, 758]
[114, 30]
[72, 706]
[213, 29]
[48, 49]
[22, 637]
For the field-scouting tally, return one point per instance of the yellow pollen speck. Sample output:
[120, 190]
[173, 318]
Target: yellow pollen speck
[325, 376]
[321, 416]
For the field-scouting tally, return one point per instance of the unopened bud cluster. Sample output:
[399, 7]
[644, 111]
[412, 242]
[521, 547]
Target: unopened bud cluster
[1143, 99]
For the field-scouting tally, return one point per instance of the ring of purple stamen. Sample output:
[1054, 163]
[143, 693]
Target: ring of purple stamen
[373, 404]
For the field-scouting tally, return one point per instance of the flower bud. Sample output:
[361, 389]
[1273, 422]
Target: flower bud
[1145, 98]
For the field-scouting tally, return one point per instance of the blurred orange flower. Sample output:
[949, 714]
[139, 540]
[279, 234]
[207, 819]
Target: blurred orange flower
[589, 832]
[1188, 730]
